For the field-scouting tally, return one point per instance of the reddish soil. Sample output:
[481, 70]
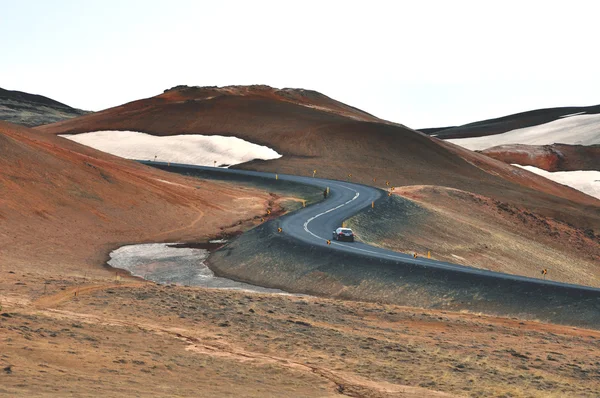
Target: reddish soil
[556, 157]
[64, 206]
[509, 122]
[70, 336]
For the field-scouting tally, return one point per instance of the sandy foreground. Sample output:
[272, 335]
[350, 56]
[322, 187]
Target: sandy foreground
[86, 337]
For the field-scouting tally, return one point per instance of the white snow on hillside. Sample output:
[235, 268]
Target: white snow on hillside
[574, 130]
[193, 149]
[585, 181]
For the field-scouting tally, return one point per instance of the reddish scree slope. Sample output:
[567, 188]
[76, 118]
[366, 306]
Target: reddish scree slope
[64, 203]
[313, 131]
[556, 157]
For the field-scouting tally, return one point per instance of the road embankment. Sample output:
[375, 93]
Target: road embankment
[264, 257]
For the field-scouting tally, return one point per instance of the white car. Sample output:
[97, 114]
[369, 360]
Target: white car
[343, 234]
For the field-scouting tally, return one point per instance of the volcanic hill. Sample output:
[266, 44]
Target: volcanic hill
[313, 131]
[33, 110]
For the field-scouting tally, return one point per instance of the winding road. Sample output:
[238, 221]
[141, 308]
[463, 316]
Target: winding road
[315, 223]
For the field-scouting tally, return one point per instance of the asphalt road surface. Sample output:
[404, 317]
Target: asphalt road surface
[315, 223]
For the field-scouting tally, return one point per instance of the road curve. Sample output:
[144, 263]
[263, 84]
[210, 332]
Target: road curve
[315, 223]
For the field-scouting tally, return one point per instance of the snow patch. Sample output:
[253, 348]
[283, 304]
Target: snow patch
[573, 114]
[586, 181]
[574, 130]
[200, 150]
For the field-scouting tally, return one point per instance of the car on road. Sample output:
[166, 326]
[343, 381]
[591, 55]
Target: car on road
[343, 234]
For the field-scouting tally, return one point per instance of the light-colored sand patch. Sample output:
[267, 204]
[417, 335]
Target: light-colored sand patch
[586, 181]
[574, 130]
[189, 149]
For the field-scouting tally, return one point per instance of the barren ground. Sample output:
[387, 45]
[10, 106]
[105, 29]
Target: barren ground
[492, 235]
[69, 335]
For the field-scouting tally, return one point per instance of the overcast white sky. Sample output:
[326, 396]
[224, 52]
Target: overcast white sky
[421, 63]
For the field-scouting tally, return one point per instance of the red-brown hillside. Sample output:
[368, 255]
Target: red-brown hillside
[556, 157]
[64, 206]
[313, 131]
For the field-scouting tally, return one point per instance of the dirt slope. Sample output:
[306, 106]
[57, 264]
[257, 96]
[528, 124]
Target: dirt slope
[556, 157]
[492, 235]
[33, 110]
[63, 206]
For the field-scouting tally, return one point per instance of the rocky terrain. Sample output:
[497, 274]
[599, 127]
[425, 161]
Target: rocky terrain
[70, 335]
[555, 157]
[493, 235]
[33, 110]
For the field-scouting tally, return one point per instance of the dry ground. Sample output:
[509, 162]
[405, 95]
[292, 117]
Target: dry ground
[492, 235]
[76, 336]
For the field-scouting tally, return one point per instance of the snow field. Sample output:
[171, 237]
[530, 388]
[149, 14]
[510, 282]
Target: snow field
[586, 181]
[193, 149]
[573, 130]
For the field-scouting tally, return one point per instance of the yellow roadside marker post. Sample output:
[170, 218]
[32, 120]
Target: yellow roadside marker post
[276, 176]
[268, 211]
[429, 254]
[415, 255]
[304, 203]
[314, 172]
[544, 272]
[328, 242]
[387, 183]
[372, 204]
[279, 229]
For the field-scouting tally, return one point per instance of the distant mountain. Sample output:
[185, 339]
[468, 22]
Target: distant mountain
[313, 131]
[511, 122]
[33, 110]
[549, 142]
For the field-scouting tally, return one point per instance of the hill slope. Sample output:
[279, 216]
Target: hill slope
[33, 110]
[511, 122]
[337, 140]
[64, 206]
